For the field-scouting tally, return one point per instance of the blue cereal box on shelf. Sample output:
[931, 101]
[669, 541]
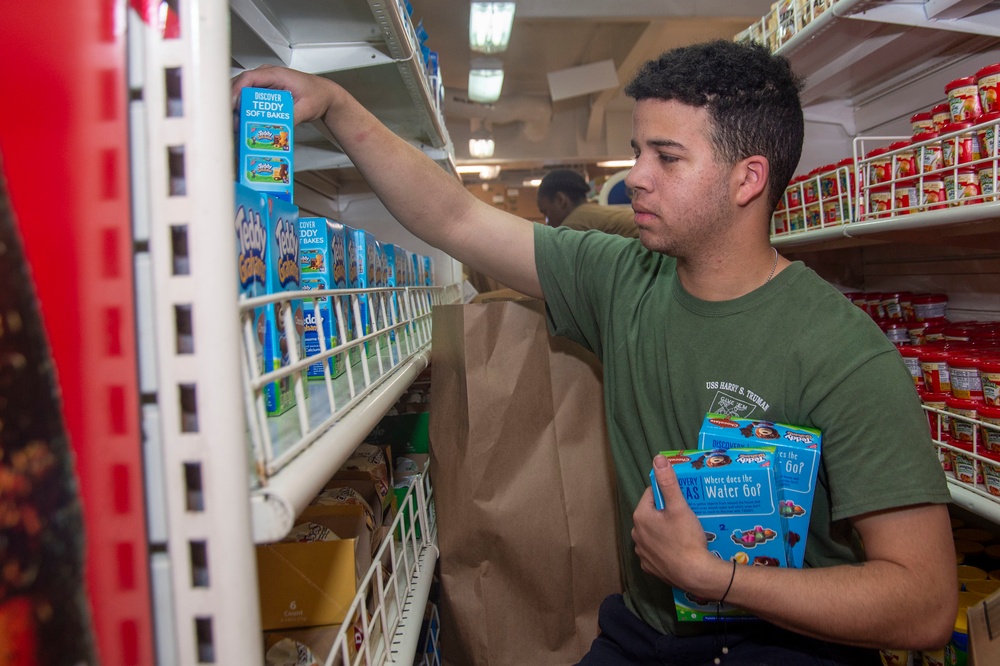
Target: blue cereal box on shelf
[251, 256]
[736, 497]
[797, 457]
[322, 266]
[361, 275]
[283, 275]
[266, 141]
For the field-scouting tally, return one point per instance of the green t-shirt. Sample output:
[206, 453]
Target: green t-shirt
[794, 351]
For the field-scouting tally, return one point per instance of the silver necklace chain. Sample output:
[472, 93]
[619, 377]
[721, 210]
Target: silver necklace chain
[773, 266]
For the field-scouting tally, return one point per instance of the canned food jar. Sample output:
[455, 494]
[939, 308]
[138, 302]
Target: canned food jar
[987, 83]
[963, 99]
[906, 201]
[935, 330]
[796, 219]
[959, 332]
[961, 186]
[961, 148]
[902, 159]
[848, 187]
[989, 415]
[928, 307]
[928, 152]
[810, 188]
[934, 365]
[989, 378]
[794, 193]
[922, 122]
[941, 113]
[962, 431]
[873, 305]
[986, 174]
[814, 215]
[880, 202]
[932, 194]
[896, 332]
[967, 469]
[879, 166]
[829, 187]
[933, 400]
[988, 134]
[963, 371]
[893, 303]
[911, 359]
[991, 476]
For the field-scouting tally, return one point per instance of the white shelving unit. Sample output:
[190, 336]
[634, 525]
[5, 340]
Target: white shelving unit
[869, 65]
[220, 475]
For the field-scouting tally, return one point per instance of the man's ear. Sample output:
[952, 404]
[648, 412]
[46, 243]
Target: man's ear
[750, 177]
[562, 201]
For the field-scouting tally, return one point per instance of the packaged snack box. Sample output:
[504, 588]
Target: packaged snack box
[251, 256]
[266, 139]
[737, 499]
[321, 262]
[283, 275]
[361, 275]
[797, 457]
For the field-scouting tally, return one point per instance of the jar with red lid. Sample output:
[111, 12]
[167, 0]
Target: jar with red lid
[946, 456]
[794, 193]
[934, 365]
[962, 430]
[934, 331]
[911, 359]
[988, 85]
[991, 473]
[893, 303]
[874, 305]
[961, 148]
[959, 331]
[967, 468]
[941, 113]
[988, 134]
[922, 121]
[907, 199]
[989, 428]
[810, 197]
[928, 151]
[902, 159]
[930, 307]
[880, 201]
[932, 193]
[779, 220]
[963, 99]
[963, 371]
[986, 174]
[989, 377]
[896, 332]
[961, 186]
[879, 166]
[939, 423]
[916, 330]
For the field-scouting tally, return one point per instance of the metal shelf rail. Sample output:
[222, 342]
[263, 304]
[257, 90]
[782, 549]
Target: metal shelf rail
[972, 493]
[295, 453]
[383, 623]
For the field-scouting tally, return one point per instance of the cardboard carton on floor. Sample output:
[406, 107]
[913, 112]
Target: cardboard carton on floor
[310, 583]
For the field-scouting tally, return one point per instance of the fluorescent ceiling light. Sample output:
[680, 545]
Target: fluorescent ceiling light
[489, 26]
[485, 171]
[617, 164]
[485, 80]
[481, 148]
[534, 182]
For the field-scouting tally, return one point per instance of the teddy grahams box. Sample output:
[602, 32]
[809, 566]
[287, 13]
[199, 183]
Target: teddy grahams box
[797, 456]
[266, 137]
[736, 497]
[321, 261]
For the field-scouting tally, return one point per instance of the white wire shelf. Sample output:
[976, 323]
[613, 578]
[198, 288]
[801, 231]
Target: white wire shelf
[900, 202]
[383, 623]
[971, 491]
[295, 453]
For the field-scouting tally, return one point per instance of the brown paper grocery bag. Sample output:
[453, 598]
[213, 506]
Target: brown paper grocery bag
[523, 487]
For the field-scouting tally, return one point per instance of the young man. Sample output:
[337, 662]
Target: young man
[562, 199]
[704, 315]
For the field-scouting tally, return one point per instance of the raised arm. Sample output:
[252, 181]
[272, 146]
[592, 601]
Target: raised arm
[424, 198]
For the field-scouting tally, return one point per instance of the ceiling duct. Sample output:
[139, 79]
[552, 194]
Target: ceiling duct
[533, 112]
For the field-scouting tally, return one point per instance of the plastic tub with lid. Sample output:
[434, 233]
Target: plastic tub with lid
[963, 99]
[988, 85]
[930, 306]
[989, 377]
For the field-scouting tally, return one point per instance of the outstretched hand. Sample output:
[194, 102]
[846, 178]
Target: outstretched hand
[671, 543]
[312, 94]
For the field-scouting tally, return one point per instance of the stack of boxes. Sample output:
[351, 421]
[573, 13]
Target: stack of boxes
[279, 252]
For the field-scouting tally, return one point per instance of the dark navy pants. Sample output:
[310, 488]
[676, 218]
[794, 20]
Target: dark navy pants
[625, 639]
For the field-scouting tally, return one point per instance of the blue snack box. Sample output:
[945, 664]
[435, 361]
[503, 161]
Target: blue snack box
[797, 451]
[361, 275]
[736, 497]
[266, 140]
[251, 256]
[321, 262]
[283, 275]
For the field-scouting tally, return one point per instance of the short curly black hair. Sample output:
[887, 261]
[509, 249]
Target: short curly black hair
[751, 95]
[572, 184]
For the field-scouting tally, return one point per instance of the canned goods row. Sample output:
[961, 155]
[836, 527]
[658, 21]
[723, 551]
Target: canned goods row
[783, 21]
